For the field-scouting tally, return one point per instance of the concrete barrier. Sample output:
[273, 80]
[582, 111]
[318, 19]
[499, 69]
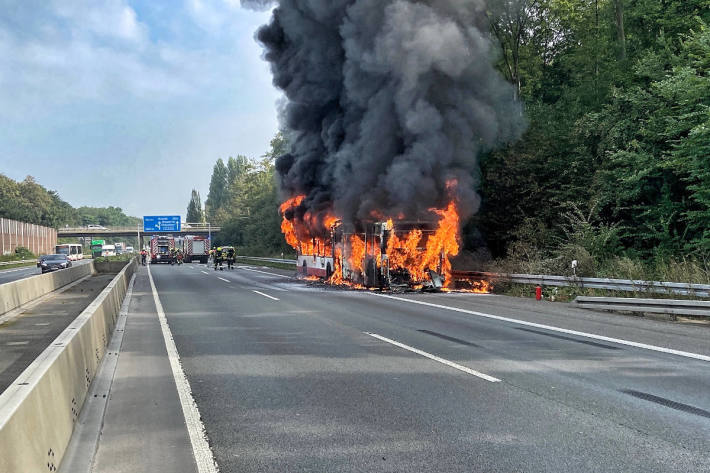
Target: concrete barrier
[39, 410]
[16, 293]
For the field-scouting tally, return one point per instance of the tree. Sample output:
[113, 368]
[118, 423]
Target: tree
[218, 190]
[194, 208]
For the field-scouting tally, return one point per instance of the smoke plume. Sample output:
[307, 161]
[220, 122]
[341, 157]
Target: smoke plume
[388, 101]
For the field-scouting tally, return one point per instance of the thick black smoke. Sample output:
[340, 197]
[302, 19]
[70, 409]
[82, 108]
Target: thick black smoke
[388, 100]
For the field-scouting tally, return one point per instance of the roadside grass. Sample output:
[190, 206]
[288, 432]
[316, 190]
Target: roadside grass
[568, 294]
[268, 264]
[123, 257]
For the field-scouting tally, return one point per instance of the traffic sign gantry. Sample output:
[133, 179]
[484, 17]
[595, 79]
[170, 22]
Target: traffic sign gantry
[168, 223]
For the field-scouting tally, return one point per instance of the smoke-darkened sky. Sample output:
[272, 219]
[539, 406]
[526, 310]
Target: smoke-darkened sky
[127, 102]
[389, 102]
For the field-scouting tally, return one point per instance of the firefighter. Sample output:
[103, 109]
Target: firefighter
[180, 257]
[230, 258]
[144, 254]
[218, 258]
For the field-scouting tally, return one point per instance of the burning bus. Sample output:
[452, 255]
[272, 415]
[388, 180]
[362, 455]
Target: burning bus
[374, 254]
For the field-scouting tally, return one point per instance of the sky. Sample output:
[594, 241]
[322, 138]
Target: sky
[129, 103]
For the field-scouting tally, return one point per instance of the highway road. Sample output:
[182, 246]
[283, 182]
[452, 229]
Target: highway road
[289, 376]
[15, 274]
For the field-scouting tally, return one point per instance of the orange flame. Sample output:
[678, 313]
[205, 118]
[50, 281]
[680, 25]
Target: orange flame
[417, 251]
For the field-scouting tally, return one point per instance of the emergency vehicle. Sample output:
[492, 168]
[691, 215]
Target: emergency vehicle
[161, 249]
[196, 248]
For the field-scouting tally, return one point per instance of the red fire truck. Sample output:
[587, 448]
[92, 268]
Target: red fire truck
[161, 249]
[196, 248]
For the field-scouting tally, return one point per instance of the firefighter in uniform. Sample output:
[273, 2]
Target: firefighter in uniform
[231, 256]
[218, 258]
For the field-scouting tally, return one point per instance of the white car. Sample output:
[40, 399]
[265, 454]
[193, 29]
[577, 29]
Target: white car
[96, 227]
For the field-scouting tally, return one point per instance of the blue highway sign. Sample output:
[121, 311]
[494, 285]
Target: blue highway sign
[169, 223]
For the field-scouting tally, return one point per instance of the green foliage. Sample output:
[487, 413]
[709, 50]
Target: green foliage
[194, 208]
[218, 190]
[123, 257]
[23, 253]
[29, 202]
[106, 216]
[618, 100]
[20, 253]
[248, 213]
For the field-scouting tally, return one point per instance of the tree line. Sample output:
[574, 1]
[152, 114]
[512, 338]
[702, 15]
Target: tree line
[243, 199]
[614, 166]
[27, 201]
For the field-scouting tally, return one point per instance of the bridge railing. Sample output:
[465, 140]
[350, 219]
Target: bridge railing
[185, 228]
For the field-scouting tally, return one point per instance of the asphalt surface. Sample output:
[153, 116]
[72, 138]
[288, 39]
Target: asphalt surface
[15, 274]
[290, 376]
[25, 336]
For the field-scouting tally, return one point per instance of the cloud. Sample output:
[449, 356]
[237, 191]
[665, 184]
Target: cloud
[132, 85]
[63, 51]
[110, 19]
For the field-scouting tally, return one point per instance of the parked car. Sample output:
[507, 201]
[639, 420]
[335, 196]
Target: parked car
[54, 263]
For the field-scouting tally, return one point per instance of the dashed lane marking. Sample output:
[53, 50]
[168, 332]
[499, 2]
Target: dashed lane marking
[443, 361]
[620, 341]
[265, 295]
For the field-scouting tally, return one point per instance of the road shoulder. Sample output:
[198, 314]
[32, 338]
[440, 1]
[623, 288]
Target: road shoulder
[143, 427]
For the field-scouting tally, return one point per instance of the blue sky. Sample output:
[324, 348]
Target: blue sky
[130, 103]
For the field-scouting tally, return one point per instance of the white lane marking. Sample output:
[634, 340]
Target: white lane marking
[204, 272]
[43, 324]
[225, 280]
[620, 341]
[24, 268]
[15, 344]
[192, 267]
[198, 436]
[265, 272]
[265, 295]
[435, 358]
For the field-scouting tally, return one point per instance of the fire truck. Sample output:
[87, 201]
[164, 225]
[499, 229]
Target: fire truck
[376, 255]
[196, 248]
[161, 249]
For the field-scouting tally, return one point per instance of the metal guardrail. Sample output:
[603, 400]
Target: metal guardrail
[624, 285]
[657, 306]
[7, 263]
[271, 260]
[185, 228]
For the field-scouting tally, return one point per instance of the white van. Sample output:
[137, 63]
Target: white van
[108, 250]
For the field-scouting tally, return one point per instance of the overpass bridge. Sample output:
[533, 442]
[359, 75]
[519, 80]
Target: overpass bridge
[197, 229]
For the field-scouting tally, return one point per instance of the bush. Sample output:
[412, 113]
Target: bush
[123, 257]
[23, 253]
